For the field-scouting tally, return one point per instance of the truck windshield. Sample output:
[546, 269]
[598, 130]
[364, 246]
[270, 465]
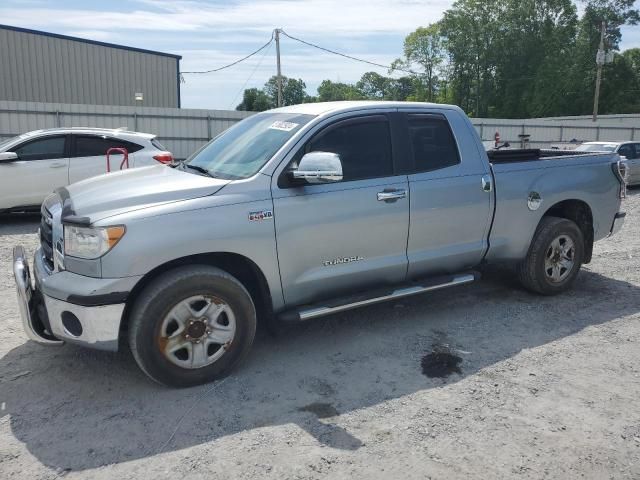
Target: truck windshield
[243, 149]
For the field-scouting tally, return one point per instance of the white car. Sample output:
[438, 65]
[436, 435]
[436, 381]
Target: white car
[629, 150]
[34, 164]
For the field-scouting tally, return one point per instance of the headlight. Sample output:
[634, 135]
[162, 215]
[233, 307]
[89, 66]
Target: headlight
[90, 242]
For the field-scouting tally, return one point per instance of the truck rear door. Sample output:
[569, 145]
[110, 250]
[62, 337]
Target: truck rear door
[450, 184]
[345, 236]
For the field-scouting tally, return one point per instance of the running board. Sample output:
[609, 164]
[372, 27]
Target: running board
[321, 309]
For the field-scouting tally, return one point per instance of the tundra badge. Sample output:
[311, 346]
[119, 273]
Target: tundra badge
[340, 261]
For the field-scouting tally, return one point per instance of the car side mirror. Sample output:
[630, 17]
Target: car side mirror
[6, 157]
[319, 167]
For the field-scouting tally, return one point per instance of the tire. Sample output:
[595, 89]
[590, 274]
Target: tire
[191, 325]
[551, 275]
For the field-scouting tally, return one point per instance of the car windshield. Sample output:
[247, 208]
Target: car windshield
[596, 147]
[242, 150]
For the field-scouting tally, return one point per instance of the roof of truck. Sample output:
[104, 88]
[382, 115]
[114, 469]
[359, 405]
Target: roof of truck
[332, 107]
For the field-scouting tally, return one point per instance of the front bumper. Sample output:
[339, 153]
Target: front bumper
[88, 313]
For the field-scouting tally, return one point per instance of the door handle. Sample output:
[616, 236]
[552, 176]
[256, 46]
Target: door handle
[57, 165]
[391, 195]
[487, 183]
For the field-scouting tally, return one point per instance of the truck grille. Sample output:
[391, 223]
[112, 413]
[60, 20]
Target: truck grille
[46, 237]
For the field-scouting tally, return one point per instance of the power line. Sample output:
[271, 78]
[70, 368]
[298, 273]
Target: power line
[252, 74]
[388, 67]
[237, 61]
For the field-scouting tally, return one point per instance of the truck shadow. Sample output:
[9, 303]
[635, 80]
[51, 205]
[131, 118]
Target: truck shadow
[77, 409]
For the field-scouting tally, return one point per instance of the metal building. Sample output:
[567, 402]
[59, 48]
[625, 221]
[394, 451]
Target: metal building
[46, 67]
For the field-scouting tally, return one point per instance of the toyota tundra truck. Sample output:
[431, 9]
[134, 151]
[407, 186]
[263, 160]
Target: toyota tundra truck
[297, 213]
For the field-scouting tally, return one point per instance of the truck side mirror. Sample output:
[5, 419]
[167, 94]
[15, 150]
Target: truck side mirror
[6, 157]
[319, 167]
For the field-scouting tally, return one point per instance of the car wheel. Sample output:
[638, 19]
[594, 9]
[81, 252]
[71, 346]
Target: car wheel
[191, 325]
[554, 257]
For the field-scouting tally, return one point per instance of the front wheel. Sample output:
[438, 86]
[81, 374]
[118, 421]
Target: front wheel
[191, 325]
[554, 257]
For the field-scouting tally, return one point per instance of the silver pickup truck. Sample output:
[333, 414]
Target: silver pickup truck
[301, 212]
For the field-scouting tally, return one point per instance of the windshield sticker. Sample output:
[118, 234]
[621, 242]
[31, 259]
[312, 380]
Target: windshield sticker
[284, 126]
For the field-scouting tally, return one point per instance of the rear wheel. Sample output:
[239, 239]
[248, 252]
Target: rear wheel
[191, 325]
[554, 258]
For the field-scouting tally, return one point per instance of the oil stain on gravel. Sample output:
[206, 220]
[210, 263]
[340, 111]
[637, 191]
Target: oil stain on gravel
[320, 410]
[440, 364]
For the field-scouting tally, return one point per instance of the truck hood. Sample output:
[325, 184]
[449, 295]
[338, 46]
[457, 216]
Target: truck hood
[124, 191]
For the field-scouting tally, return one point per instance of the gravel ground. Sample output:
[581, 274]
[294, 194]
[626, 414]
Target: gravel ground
[545, 388]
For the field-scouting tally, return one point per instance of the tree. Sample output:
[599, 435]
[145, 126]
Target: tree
[499, 58]
[403, 88]
[373, 86]
[581, 72]
[621, 83]
[531, 80]
[472, 30]
[423, 50]
[293, 91]
[330, 91]
[254, 100]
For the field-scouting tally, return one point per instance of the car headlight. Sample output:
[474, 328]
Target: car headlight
[90, 242]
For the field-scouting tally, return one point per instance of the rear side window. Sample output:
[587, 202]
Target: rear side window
[364, 146]
[630, 150]
[41, 149]
[627, 150]
[432, 143]
[93, 146]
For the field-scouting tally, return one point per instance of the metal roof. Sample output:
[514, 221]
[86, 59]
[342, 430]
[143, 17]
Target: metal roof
[91, 42]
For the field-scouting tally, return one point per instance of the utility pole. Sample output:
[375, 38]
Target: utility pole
[279, 78]
[600, 60]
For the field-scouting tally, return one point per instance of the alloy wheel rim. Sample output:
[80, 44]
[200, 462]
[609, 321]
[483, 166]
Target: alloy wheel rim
[559, 259]
[197, 331]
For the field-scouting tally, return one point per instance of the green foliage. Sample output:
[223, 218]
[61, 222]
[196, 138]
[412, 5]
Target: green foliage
[331, 91]
[293, 91]
[423, 50]
[498, 58]
[254, 100]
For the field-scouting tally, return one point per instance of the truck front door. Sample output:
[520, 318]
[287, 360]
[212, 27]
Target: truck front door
[340, 237]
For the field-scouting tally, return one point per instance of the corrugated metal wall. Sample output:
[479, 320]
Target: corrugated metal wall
[45, 68]
[181, 130]
[543, 133]
[184, 130]
[628, 119]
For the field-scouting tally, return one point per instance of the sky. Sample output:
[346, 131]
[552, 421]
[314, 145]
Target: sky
[209, 34]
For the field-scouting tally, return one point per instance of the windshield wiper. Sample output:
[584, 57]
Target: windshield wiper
[199, 169]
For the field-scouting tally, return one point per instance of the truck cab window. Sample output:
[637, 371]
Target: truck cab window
[432, 143]
[364, 146]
